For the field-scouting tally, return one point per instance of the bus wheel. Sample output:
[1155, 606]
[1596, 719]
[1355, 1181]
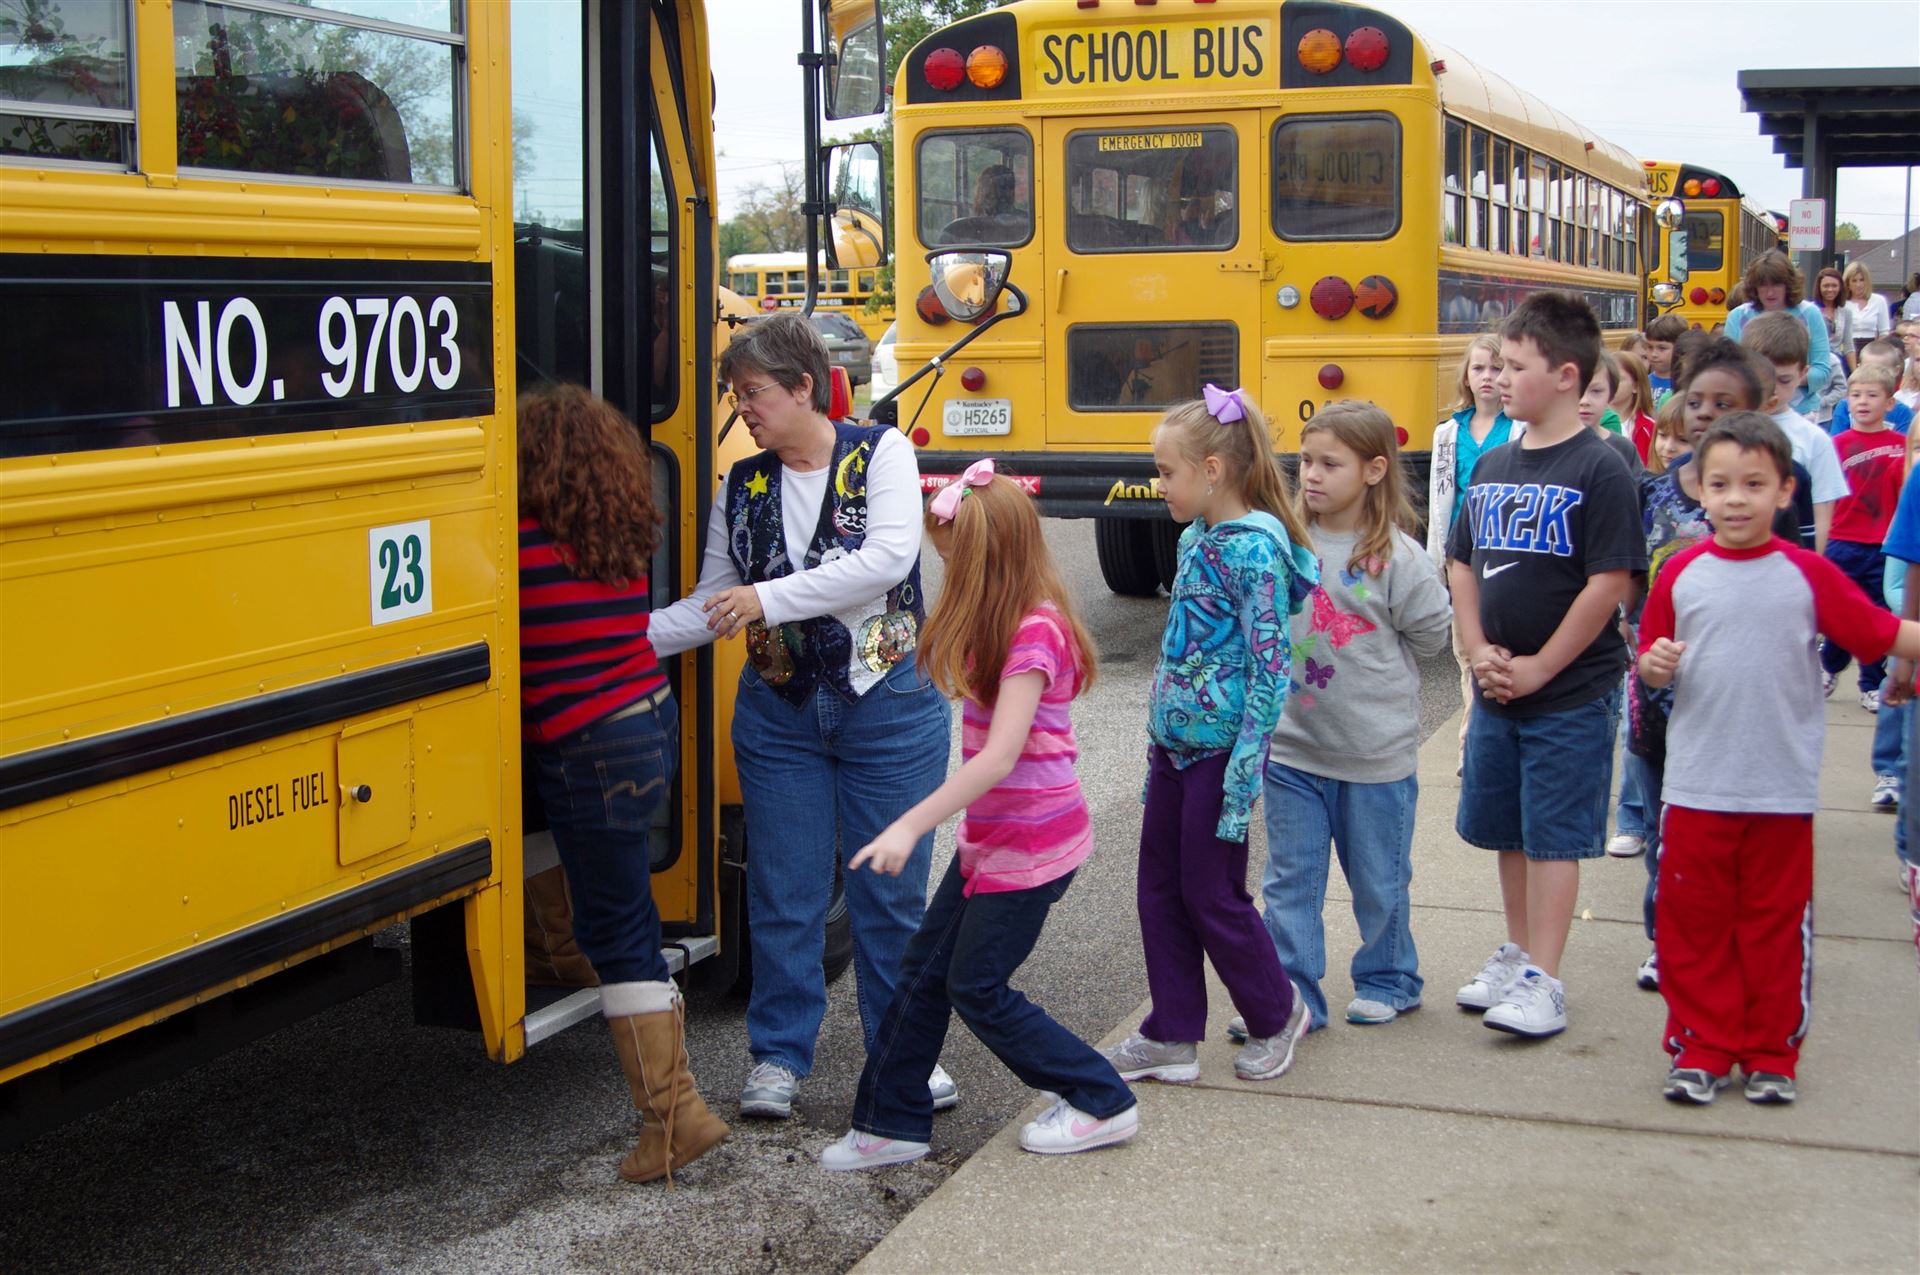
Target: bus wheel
[731, 972]
[1126, 551]
[1166, 550]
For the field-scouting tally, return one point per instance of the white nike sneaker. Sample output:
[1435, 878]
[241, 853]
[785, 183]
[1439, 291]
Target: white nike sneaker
[1063, 1129]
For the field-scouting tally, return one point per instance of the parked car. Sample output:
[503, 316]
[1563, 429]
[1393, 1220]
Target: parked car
[847, 345]
[886, 362]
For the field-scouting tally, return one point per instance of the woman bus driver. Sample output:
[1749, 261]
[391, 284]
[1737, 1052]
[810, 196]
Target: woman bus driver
[813, 552]
[1773, 282]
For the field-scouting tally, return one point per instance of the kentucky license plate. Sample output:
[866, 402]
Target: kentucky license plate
[978, 416]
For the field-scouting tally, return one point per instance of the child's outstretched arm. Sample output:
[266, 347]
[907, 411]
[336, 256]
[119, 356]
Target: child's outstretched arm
[1013, 715]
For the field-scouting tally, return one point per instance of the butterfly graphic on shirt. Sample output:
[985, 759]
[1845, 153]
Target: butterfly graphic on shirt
[1341, 627]
[1355, 581]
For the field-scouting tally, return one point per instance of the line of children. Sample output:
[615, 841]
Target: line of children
[1662, 335]
[1633, 401]
[1885, 353]
[1872, 457]
[1781, 340]
[1597, 414]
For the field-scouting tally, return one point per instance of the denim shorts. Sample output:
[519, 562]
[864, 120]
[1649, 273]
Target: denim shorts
[1540, 784]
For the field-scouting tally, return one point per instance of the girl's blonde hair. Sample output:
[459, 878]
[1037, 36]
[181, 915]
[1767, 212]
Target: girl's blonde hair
[998, 570]
[1463, 392]
[1633, 370]
[1669, 422]
[1245, 451]
[1368, 433]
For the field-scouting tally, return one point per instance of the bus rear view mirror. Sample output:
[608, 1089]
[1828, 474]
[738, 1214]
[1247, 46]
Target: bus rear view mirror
[968, 283]
[857, 188]
[851, 33]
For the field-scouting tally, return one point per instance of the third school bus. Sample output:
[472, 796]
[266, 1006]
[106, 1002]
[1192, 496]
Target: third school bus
[1719, 232]
[1306, 199]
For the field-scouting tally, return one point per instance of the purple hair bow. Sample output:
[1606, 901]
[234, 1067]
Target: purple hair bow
[946, 501]
[1225, 406]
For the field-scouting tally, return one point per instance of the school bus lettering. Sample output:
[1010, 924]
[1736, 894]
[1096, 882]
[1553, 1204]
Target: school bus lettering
[1124, 490]
[1153, 55]
[1149, 141]
[268, 802]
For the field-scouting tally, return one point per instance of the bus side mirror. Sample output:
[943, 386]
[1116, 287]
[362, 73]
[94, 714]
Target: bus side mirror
[968, 283]
[1671, 216]
[857, 189]
[850, 31]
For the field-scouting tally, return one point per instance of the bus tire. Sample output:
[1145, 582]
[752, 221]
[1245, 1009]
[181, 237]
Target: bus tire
[1125, 547]
[1166, 550]
[731, 972]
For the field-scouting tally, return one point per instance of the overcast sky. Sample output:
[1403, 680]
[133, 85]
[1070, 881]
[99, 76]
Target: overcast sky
[1654, 77]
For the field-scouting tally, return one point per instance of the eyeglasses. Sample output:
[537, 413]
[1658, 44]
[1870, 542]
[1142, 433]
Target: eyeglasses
[733, 397]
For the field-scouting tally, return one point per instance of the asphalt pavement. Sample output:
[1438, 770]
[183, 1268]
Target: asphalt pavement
[356, 1141]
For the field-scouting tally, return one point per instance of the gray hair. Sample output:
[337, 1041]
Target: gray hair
[784, 347]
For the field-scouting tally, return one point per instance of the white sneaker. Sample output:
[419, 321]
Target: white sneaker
[1369, 1013]
[768, 1092]
[1870, 700]
[1627, 846]
[1886, 793]
[946, 1094]
[863, 1151]
[1493, 980]
[1649, 975]
[1063, 1129]
[1535, 1005]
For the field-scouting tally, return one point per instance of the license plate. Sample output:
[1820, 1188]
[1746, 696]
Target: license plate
[978, 416]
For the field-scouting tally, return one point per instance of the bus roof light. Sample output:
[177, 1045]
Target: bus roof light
[1710, 187]
[1319, 50]
[1438, 66]
[1367, 48]
[986, 67]
[1332, 375]
[945, 69]
[1691, 188]
[1331, 297]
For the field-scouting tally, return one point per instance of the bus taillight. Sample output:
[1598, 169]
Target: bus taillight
[1331, 297]
[1698, 296]
[1710, 187]
[1367, 48]
[1332, 375]
[1319, 50]
[945, 68]
[973, 380]
[927, 304]
[986, 67]
[1691, 188]
[1718, 296]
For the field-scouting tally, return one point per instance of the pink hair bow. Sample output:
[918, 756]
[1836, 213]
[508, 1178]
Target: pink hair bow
[1224, 406]
[946, 501]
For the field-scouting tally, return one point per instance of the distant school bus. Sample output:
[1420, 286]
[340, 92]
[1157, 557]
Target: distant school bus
[1305, 198]
[1709, 233]
[778, 281]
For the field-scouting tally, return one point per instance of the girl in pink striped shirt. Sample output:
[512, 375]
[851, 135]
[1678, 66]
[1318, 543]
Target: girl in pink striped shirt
[1005, 639]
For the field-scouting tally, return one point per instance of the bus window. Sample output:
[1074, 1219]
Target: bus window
[1336, 177]
[1705, 233]
[1134, 367]
[262, 92]
[660, 320]
[1521, 232]
[975, 188]
[745, 282]
[1501, 217]
[1477, 173]
[64, 60]
[1540, 210]
[865, 281]
[839, 281]
[1454, 198]
[1156, 190]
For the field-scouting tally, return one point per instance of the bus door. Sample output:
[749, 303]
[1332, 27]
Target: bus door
[1151, 236]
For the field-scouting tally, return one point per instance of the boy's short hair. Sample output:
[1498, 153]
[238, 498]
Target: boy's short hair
[1668, 328]
[1874, 374]
[1750, 432]
[1718, 352]
[1778, 337]
[1562, 327]
[1884, 350]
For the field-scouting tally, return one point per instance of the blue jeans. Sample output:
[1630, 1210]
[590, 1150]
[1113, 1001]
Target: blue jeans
[1633, 817]
[1653, 779]
[966, 950]
[1890, 739]
[819, 782]
[600, 786]
[1370, 827]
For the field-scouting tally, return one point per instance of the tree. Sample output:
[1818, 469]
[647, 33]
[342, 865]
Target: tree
[1846, 230]
[772, 211]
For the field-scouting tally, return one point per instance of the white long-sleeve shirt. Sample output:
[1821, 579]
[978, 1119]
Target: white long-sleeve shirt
[891, 548]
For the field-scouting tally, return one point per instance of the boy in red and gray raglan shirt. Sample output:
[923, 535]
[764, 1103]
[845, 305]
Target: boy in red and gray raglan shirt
[1731, 623]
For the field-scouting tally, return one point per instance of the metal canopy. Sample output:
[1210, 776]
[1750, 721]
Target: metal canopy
[1823, 120]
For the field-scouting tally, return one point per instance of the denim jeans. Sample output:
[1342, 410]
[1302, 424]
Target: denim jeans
[1540, 784]
[1652, 784]
[600, 786]
[1370, 827]
[819, 782]
[966, 950]
[1890, 740]
[1633, 817]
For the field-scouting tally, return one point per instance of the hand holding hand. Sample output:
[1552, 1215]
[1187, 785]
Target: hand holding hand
[731, 610]
[887, 852]
[1525, 675]
[1492, 670]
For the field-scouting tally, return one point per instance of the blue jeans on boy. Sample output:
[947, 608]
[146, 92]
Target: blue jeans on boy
[960, 962]
[1890, 740]
[1636, 815]
[1371, 830]
[600, 786]
[819, 782]
[1865, 565]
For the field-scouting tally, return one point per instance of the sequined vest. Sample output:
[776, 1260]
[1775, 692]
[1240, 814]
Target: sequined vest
[850, 650]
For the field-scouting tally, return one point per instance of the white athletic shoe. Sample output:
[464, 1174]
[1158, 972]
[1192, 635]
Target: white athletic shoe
[1063, 1129]
[1535, 1005]
[1487, 987]
[863, 1151]
[946, 1094]
[1627, 846]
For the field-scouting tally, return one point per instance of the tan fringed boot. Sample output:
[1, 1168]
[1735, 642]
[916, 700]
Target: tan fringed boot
[676, 1125]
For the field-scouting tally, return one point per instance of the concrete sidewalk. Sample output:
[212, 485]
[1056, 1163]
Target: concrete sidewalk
[1433, 1143]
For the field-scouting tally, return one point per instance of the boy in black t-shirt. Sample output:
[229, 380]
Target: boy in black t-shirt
[1542, 558]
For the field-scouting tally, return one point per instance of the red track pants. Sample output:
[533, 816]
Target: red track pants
[1734, 930]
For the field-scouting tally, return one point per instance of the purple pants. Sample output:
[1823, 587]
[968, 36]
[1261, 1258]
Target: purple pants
[1194, 902]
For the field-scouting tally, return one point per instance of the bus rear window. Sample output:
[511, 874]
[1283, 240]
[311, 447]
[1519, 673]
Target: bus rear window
[1706, 240]
[1155, 190]
[1137, 367]
[1336, 177]
[65, 88]
[975, 188]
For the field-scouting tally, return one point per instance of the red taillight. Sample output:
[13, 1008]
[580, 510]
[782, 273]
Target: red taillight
[1698, 296]
[1718, 296]
[1710, 187]
[945, 69]
[1331, 376]
[927, 306]
[1367, 48]
[921, 438]
[972, 379]
[1400, 432]
[1376, 296]
[1331, 297]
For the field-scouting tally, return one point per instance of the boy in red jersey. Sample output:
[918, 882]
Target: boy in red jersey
[1873, 458]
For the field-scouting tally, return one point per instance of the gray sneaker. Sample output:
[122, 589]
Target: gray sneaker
[940, 1086]
[1770, 1086]
[1265, 1057]
[1137, 1058]
[768, 1092]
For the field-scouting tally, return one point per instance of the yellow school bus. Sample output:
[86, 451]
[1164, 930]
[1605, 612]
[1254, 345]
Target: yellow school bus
[778, 281]
[273, 276]
[1306, 199]
[1709, 233]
